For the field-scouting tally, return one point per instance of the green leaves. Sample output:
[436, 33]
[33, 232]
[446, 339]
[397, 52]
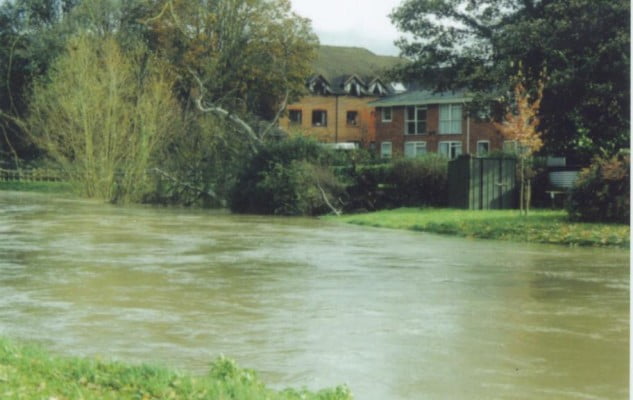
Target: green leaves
[477, 45]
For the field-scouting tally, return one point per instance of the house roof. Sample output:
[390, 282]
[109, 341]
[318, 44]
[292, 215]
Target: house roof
[341, 85]
[421, 97]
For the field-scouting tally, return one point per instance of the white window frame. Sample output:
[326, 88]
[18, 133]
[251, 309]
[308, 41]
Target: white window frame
[418, 147]
[383, 147]
[453, 146]
[487, 142]
[384, 116]
[450, 124]
[416, 121]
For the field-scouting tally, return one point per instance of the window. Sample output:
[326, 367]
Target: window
[295, 117]
[352, 118]
[415, 121]
[386, 114]
[450, 118]
[414, 149]
[510, 146]
[450, 149]
[385, 150]
[483, 147]
[319, 118]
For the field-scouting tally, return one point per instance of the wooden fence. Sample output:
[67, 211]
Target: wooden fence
[31, 175]
[482, 183]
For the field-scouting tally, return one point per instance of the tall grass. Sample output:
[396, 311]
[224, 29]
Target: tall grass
[28, 372]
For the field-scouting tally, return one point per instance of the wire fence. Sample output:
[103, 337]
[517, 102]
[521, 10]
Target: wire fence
[31, 175]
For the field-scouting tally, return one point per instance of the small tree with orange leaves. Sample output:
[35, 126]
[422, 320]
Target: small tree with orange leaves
[520, 124]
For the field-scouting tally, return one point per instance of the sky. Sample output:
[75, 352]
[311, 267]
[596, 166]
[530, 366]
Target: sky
[360, 23]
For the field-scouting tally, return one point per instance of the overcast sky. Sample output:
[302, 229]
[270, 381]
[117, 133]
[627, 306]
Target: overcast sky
[360, 23]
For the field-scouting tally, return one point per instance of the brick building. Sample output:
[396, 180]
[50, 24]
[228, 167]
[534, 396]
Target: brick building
[337, 111]
[420, 121]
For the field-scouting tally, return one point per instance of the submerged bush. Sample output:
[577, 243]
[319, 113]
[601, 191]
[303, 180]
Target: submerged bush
[602, 191]
[420, 181]
[404, 182]
[288, 177]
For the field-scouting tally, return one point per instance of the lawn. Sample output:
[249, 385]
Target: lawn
[541, 226]
[29, 373]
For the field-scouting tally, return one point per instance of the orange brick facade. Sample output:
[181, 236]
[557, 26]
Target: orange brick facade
[472, 132]
[338, 128]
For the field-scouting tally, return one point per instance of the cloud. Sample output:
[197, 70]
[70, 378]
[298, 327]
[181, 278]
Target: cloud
[352, 23]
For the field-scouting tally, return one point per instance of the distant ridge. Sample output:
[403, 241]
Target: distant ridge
[334, 61]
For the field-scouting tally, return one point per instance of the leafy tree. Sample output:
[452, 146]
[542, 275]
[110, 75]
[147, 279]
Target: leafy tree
[31, 36]
[521, 125]
[288, 177]
[101, 114]
[477, 45]
[243, 56]
[33, 33]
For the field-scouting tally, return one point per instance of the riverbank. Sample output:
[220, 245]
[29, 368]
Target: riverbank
[541, 226]
[27, 372]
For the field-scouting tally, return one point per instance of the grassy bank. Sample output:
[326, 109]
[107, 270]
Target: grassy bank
[541, 226]
[42, 187]
[30, 373]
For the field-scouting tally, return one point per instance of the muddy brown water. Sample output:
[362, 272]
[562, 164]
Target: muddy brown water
[392, 314]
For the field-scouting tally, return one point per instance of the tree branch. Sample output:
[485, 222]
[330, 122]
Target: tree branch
[220, 111]
[334, 210]
[282, 108]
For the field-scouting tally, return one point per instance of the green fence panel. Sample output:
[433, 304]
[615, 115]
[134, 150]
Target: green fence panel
[482, 183]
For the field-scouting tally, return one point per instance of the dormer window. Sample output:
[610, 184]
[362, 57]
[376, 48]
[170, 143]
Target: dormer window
[354, 86]
[354, 90]
[318, 85]
[376, 88]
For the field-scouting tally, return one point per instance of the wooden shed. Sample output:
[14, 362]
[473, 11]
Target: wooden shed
[482, 183]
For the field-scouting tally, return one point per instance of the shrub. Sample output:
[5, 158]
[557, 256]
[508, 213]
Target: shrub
[419, 181]
[289, 177]
[404, 182]
[602, 191]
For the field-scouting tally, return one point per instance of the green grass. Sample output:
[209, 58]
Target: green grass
[333, 61]
[43, 187]
[28, 372]
[541, 226]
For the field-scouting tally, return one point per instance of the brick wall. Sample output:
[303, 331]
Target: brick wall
[394, 132]
[337, 128]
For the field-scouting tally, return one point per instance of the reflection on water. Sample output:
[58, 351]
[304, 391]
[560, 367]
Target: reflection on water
[394, 315]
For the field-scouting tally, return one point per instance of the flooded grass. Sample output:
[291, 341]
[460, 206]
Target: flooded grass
[31, 373]
[541, 226]
[41, 187]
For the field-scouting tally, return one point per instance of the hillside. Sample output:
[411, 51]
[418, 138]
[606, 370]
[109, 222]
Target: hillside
[334, 61]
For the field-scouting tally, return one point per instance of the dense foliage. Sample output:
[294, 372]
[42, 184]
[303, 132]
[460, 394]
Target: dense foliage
[287, 177]
[403, 182]
[101, 115]
[221, 81]
[603, 191]
[582, 45]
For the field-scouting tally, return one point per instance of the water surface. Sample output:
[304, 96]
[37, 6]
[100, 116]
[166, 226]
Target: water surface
[392, 314]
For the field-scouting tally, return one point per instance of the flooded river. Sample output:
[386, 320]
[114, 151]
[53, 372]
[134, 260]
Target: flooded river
[394, 315]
